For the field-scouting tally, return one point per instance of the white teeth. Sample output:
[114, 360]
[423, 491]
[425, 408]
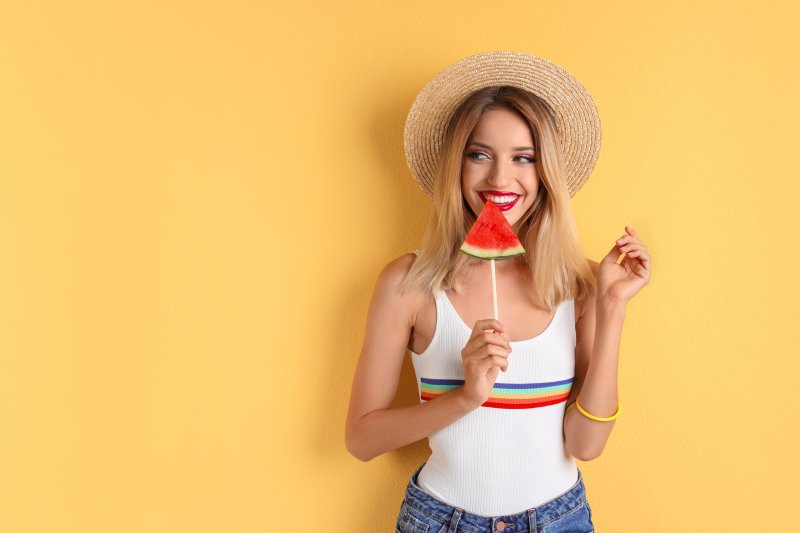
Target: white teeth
[501, 199]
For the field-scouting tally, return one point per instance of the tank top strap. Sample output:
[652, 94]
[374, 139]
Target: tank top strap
[447, 316]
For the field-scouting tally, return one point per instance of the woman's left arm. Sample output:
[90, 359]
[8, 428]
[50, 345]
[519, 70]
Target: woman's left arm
[598, 333]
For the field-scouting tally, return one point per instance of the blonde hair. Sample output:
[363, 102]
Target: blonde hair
[554, 255]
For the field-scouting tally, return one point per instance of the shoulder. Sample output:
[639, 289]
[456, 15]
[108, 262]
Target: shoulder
[396, 269]
[388, 289]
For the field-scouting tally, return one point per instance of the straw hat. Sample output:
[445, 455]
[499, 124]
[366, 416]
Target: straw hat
[577, 120]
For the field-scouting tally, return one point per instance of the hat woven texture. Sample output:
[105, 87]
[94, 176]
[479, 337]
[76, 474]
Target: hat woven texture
[576, 117]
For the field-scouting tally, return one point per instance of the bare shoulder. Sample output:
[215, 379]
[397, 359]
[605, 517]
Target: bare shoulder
[407, 302]
[393, 311]
[395, 271]
[399, 267]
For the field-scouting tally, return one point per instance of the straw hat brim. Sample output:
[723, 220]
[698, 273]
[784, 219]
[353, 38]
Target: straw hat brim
[576, 117]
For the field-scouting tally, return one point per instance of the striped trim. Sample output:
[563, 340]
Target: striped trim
[505, 395]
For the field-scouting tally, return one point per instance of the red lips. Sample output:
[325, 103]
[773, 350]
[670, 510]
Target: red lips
[502, 207]
[498, 193]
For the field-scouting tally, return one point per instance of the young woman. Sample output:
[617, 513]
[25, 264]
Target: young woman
[507, 405]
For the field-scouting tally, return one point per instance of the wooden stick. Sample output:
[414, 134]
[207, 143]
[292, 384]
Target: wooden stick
[494, 291]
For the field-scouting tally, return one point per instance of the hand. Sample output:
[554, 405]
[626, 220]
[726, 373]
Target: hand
[485, 353]
[622, 281]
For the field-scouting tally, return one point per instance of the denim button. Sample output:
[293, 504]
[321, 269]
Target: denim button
[405, 514]
[501, 526]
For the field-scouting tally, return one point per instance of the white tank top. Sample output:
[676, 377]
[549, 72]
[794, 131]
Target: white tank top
[507, 455]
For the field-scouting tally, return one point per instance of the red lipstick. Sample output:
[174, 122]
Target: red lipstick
[501, 207]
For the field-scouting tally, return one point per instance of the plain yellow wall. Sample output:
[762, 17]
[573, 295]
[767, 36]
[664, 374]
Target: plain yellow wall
[196, 199]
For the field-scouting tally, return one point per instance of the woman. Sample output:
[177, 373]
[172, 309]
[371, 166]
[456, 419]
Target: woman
[521, 132]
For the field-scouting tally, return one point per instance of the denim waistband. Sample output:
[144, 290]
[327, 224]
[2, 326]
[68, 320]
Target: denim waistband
[527, 520]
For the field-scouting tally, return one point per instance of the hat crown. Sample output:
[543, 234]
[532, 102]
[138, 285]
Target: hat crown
[577, 120]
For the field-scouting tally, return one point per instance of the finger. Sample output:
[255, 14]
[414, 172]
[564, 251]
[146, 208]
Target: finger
[638, 250]
[626, 239]
[493, 349]
[643, 265]
[493, 339]
[479, 349]
[612, 255]
[491, 361]
[487, 324]
[644, 257]
[631, 231]
[640, 270]
[632, 246]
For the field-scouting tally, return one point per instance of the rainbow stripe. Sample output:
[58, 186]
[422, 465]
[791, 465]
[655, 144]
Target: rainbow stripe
[505, 395]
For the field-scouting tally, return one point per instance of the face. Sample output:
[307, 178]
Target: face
[499, 161]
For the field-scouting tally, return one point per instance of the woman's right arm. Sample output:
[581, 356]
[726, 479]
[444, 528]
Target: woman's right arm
[373, 428]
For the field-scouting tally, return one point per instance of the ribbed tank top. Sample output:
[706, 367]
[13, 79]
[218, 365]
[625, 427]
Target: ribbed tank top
[507, 455]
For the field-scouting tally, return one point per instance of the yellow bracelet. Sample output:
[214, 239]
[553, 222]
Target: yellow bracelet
[598, 418]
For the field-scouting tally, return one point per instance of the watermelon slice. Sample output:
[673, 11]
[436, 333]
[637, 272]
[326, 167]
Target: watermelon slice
[491, 236]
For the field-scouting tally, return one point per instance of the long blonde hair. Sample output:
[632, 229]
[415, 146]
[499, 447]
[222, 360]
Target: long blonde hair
[554, 255]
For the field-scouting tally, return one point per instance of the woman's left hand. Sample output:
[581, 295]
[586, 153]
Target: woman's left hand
[622, 281]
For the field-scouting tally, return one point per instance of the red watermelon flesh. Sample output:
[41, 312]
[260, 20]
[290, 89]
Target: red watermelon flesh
[491, 236]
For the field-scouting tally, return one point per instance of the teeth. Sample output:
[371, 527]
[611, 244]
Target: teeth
[500, 199]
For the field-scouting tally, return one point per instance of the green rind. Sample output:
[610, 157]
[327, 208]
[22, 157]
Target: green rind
[491, 253]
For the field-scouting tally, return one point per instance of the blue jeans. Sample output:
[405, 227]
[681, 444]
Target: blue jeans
[422, 513]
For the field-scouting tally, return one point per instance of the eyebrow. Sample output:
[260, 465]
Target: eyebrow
[487, 146]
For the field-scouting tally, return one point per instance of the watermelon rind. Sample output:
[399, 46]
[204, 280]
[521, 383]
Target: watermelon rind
[492, 253]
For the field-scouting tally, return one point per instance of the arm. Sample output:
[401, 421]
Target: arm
[384, 430]
[597, 348]
[373, 428]
[598, 331]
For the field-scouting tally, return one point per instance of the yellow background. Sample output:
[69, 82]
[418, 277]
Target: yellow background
[196, 199]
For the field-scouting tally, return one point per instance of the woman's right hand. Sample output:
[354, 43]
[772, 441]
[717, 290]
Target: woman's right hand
[484, 355]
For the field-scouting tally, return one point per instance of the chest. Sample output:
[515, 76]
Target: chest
[517, 306]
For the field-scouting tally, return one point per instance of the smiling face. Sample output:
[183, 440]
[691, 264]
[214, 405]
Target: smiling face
[498, 161]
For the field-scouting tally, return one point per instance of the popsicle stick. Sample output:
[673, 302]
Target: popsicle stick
[494, 291]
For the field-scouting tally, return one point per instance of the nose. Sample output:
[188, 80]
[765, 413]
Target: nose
[502, 174]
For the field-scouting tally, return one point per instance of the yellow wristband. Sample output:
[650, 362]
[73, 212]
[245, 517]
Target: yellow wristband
[598, 418]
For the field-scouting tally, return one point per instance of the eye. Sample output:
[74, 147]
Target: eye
[473, 155]
[527, 158]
